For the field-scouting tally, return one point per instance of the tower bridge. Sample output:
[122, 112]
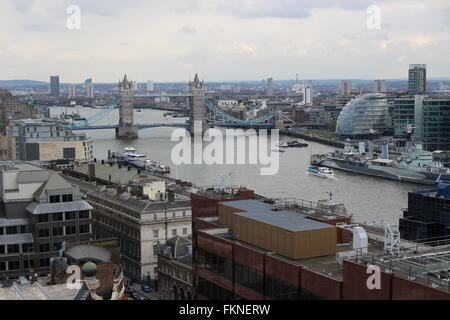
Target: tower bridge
[127, 128]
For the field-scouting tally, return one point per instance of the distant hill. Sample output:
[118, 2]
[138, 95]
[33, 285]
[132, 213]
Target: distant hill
[21, 83]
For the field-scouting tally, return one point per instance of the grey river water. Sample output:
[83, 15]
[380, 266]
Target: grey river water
[367, 198]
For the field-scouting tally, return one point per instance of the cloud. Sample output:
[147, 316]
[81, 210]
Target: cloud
[222, 40]
[188, 30]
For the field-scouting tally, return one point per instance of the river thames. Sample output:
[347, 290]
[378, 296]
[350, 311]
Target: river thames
[366, 198]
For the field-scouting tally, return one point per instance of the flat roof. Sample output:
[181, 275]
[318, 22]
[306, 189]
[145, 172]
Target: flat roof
[288, 220]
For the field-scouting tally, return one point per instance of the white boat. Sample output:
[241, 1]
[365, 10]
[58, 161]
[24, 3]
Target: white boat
[130, 150]
[322, 172]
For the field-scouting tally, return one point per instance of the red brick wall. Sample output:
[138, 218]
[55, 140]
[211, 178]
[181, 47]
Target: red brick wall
[320, 285]
[355, 284]
[247, 293]
[212, 277]
[403, 289]
[248, 257]
[215, 245]
[282, 270]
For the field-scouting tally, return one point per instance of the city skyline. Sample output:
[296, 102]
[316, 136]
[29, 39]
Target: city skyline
[170, 42]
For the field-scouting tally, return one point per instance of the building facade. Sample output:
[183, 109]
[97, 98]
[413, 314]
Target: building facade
[54, 87]
[427, 218]
[379, 86]
[46, 140]
[426, 117]
[39, 212]
[365, 115]
[175, 273]
[417, 79]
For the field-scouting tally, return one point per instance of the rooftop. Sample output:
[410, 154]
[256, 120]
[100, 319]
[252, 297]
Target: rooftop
[288, 220]
[38, 292]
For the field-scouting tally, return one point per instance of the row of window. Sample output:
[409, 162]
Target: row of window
[247, 276]
[68, 216]
[12, 230]
[16, 248]
[61, 198]
[119, 226]
[64, 231]
[174, 232]
[27, 264]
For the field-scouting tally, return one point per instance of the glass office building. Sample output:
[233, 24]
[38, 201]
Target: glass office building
[427, 117]
[365, 115]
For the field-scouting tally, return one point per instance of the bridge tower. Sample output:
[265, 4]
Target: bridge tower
[197, 107]
[126, 129]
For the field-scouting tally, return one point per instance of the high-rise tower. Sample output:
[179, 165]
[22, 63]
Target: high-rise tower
[197, 106]
[126, 129]
[417, 79]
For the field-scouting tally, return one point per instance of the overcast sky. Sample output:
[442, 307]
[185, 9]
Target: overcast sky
[222, 40]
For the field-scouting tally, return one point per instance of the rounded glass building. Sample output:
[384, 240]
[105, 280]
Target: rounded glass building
[367, 114]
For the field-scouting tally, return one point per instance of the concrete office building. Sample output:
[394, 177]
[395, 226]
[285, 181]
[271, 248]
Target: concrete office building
[379, 86]
[345, 88]
[54, 86]
[417, 79]
[150, 86]
[269, 87]
[72, 91]
[39, 211]
[46, 140]
[90, 91]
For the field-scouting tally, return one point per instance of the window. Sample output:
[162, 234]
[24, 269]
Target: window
[184, 214]
[67, 198]
[11, 230]
[43, 218]
[155, 233]
[27, 247]
[14, 265]
[1, 231]
[184, 231]
[45, 247]
[44, 233]
[57, 246]
[84, 228]
[57, 216]
[155, 217]
[44, 262]
[58, 231]
[2, 266]
[71, 230]
[28, 264]
[22, 229]
[70, 215]
[174, 215]
[174, 232]
[55, 199]
[2, 249]
[13, 248]
[84, 214]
